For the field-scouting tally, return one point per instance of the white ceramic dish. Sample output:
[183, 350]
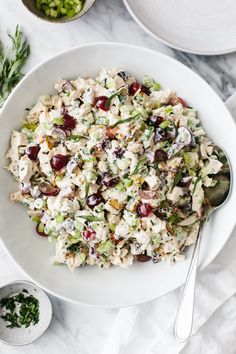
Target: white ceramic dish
[90, 285]
[23, 336]
[205, 27]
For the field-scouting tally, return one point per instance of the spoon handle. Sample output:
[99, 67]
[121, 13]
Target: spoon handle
[184, 318]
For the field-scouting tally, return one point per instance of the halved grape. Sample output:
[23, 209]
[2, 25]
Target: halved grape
[32, 152]
[59, 161]
[48, 190]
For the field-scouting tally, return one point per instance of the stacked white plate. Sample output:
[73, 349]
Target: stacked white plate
[205, 27]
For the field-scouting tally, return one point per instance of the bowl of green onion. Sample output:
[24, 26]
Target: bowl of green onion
[58, 11]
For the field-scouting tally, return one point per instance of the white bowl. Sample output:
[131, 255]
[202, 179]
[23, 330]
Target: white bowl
[23, 336]
[91, 285]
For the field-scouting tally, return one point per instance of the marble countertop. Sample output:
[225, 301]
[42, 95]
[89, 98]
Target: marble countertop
[76, 329]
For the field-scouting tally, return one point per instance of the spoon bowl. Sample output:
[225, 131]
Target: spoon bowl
[216, 197]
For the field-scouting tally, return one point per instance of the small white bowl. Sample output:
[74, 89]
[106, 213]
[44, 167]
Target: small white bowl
[23, 336]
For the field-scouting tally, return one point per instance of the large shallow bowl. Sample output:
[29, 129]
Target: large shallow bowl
[91, 285]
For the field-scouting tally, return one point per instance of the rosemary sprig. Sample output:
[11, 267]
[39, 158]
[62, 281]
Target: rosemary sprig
[11, 63]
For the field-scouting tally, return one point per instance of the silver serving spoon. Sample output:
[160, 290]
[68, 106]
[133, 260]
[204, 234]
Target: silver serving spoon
[216, 197]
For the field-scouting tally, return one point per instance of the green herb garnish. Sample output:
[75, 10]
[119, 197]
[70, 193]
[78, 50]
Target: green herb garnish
[138, 167]
[122, 121]
[20, 310]
[90, 218]
[86, 186]
[196, 182]
[177, 178]
[11, 63]
[174, 219]
[76, 137]
[108, 101]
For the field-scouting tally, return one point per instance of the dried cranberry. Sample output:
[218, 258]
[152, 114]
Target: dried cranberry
[146, 90]
[89, 234]
[59, 161]
[118, 152]
[143, 257]
[134, 87]
[32, 152]
[69, 122]
[48, 190]
[100, 102]
[144, 209]
[112, 182]
[160, 135]
[155, 120]
[93, 200]
[104, 144]
[160, 155]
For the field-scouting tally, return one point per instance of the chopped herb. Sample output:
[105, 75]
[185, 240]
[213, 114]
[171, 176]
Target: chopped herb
[122, 121]
[196, 182]
[177, 178]
[20, 310]
[108, 101]
[86, 186]
[90, 218]
[74, 248]
[138, 167]
[122, 99]
[174, 219]
[76, 137]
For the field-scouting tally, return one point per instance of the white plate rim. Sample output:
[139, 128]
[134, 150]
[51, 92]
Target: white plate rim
[170, 44]
[204, 264]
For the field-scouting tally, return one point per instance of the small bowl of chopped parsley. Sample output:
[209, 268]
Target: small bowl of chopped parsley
[25, 313]
[58, 11]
